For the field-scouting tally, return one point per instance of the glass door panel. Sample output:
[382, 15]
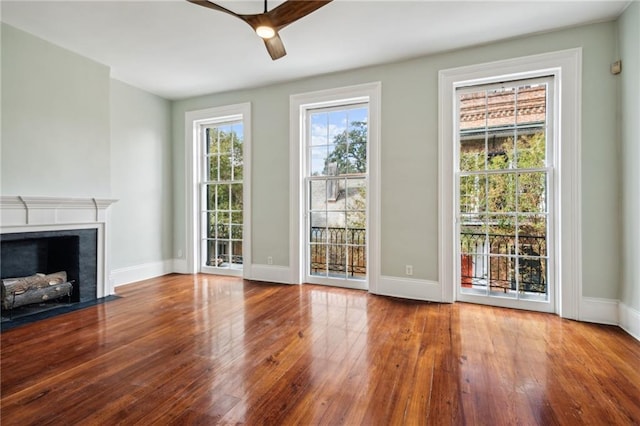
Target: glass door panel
[504, 169]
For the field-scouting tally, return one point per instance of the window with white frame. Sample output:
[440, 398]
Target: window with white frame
[218, 220]
[465, 189]
[335, 137]
[221, 186]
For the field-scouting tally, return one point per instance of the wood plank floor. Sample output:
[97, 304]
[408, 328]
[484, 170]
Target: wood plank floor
[212, 350]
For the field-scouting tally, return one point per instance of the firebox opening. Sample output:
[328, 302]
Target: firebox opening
[30, 253]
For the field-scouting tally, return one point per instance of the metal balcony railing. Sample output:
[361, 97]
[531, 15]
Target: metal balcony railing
[338, 251]
[490, 259]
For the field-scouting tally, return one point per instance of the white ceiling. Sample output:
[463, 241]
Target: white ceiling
[176, 49]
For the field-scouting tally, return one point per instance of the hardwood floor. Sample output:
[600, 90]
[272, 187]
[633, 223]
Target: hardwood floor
[211, 350]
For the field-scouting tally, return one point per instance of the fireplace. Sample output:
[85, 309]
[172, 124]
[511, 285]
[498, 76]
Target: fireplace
[41, 235]
[73, 251]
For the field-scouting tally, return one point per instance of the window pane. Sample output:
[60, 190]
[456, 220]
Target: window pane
[532, 274]
[356, 235]
[336, 235]
[212, 141]
[502, 273]
[223, 254]
[210, 193]
[212, 164]
[472, 110]
[501, 234]
[236, 232]
[532, 192]
[223, 197]
[236, 254]
[357, 264]
[532, 104]
[531, 148]
[501, 197]
[211, 253]
[335, 194]
[318, 194]
[357, 220]
[501, 107]
[357, 115]
[336, 219]
[318, 259]
[236, 218]
[236, 196]
[473, 235]
[222, 230]
[225, 168]
[337, 162]
[225, 140]
[337, 126]
[318, 160]
[473, 191]
[211, 225]
[318, 234]
[532, 232]
[319, 129]
[500, 150]
[337, 259]
[238, 165]
[356, 192]
[472, 153]
[318, 219]
[357, 157]
[223, 217]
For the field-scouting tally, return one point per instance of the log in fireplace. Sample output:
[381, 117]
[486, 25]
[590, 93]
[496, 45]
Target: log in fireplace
[38, 288]
[29, 255]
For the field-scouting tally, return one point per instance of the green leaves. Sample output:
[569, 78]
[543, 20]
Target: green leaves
[350, 152]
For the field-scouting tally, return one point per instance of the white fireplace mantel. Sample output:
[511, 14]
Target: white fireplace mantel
[35, 214]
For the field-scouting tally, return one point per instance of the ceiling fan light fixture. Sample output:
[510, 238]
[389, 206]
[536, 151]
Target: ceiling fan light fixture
[265, 31]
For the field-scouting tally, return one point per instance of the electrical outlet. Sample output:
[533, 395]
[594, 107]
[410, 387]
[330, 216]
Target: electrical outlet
[179, 253]
[408, 269]
[269, 260]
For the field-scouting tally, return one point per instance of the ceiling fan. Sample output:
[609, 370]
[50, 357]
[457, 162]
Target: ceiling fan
[268, 23]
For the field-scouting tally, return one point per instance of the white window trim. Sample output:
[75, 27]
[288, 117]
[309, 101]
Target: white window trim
[299, 104]
[566, 67]
[193, 121]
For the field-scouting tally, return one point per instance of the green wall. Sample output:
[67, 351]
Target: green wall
[629, 36]
[141, 177]
[410, 157]
[55, 120]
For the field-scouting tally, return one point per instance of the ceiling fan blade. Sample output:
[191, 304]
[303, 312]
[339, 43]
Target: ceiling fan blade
[275, 47]
[292, 10]
[277, 18]
[210, 5]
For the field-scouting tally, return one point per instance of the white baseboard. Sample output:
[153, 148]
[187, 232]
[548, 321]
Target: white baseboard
[141, 272]
[409, 288]
[270, 273]
[598, 310]
[630, 320]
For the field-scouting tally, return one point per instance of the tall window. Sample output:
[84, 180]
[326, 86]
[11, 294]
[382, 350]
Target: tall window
[222, 199]
[505, 161]
[336, 192]
[563, 241]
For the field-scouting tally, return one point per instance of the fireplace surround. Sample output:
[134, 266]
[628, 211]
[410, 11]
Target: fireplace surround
[51, 234]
